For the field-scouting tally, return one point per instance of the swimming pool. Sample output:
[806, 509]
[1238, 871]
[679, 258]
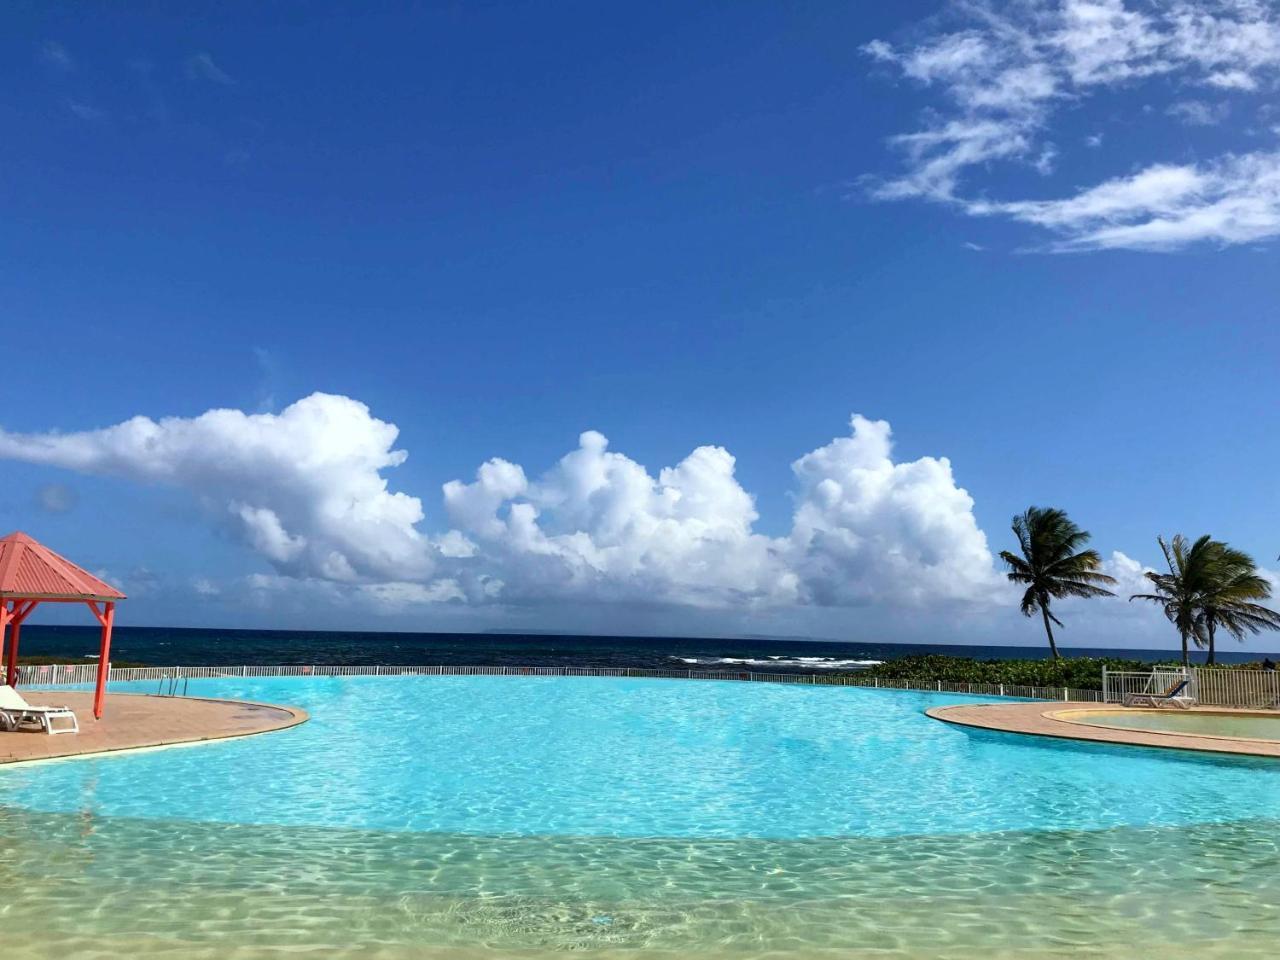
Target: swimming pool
[502, 815]
[1200, 723]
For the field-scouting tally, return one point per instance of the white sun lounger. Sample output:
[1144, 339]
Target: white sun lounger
[15, 711]
[1173, 695]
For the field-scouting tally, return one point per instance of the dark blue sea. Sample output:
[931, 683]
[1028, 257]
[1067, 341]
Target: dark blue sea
[165, 646]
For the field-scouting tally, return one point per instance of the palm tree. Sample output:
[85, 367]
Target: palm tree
[1193, 572]
[1052, 564]
[1227, 602]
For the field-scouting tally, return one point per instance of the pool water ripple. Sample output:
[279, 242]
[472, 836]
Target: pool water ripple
[590, 756]
[483, 817]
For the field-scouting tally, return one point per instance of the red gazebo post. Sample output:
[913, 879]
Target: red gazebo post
[31, 574]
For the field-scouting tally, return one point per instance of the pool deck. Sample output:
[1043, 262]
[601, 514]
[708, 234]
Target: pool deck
[137, 722]
[1046, 719]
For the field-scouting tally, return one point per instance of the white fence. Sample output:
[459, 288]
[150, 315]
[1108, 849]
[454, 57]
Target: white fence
[1209, 686]
[169, 679]
[1119, 684]
[1223, 687]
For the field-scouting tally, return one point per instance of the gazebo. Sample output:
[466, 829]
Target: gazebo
[31, 574]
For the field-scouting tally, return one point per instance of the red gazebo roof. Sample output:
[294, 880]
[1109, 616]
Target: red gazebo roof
[31, 571]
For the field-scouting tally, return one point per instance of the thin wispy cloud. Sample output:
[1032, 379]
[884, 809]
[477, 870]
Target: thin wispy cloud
[85, 111]
[57, 498]
[1233, 200]
[1004, 70]
[54, 55]
[201, 66]
[156, 106]
[1198, 113]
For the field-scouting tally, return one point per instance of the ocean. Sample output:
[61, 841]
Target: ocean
[173, 646]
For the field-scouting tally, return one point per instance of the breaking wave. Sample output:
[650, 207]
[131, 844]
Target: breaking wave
[808, 663]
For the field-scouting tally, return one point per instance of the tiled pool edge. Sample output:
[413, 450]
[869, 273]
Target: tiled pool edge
[96, 740]
[1032, 719]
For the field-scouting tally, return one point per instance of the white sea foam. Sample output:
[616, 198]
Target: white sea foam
[815, 663]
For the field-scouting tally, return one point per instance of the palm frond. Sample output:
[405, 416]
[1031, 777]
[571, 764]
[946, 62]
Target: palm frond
[1052, 562]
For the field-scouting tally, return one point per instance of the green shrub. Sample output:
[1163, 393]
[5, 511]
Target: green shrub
[1084, 673]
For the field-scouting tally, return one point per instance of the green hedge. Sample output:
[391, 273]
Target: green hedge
[1084, 673]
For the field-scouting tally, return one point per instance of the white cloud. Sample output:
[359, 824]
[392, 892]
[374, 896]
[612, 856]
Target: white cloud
[1198, 113]
[205, 587]
[388, 597]
[1102, 41]
[599, 526]
[1234, 200]
[55, 55]
[304, 488]
[868, 529]
[940, 154]
[1010, 65]
[1130, 575]
[202, 67]
[85, 111]
[57, 498]
[267, 534]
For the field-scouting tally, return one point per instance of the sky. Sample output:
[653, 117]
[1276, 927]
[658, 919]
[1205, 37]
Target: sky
[706, 319]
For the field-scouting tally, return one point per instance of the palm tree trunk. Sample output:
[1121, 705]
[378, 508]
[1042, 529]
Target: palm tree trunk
[1053, 647]
[1209, 659]
[1186, 655]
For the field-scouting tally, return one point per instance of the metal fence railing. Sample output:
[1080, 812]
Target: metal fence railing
[1225, 687]
[167, 677]
[1208, 686]
[1118, 685]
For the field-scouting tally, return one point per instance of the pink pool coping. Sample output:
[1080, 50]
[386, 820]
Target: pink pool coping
[142, 721]
[1041, 719]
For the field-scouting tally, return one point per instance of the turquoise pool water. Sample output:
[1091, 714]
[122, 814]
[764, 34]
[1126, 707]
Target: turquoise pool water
[503, 816]
[637, 758]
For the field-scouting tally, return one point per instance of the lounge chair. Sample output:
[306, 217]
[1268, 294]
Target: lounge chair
[1172, 695]
[15, 711]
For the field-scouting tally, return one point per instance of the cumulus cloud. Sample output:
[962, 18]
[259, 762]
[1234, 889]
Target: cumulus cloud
[1005, 70]
[1130, 575]
[304, 488]
[866, 529]
[599, 526]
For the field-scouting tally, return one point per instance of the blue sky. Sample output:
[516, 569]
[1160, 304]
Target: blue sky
[1037, 240]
